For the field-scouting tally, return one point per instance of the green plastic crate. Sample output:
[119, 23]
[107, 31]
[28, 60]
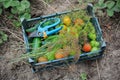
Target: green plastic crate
[59, 62]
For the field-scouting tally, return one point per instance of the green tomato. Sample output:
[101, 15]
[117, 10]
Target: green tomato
[92, 36]
[93, 31]
[94, 43]
[94, 49]
[97, 44]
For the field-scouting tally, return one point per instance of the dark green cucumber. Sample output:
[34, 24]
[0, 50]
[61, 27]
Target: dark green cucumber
[36, 45]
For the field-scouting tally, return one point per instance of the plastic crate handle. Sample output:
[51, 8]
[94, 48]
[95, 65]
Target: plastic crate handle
[90, 10]
[91, 13]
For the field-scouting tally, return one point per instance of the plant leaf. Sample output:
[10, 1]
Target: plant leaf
[96, 5]
[1, 41]
[83, 76]
[0, 11]
[20, 7]
[15, 3]
[26, 15]
[110, 12]
[16, 23]
[102, 6]
[10, 16]
[25, 3]
[4, 37]
[100, 2]
[7, 4]
[14, 10]
[118, 3]
[2, 0]
[116, 8]
[110, 4]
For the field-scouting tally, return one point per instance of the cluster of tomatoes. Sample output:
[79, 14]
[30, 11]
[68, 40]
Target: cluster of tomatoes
[89, 46]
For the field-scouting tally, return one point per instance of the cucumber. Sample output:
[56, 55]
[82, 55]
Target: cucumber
[36, 45]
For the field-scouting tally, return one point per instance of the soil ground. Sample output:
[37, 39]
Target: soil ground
[106, 68]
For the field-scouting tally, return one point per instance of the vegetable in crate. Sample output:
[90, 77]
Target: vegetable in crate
[67, 20]
[92, 36]
[59, 55]
[86, 47]
[64, 27]
[94, 49]
[42, 59]
[79, 22]
[51, 55]
[36, 45]
[94, 43]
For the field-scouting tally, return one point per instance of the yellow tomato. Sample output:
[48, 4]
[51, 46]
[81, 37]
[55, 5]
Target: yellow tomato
[67, 20]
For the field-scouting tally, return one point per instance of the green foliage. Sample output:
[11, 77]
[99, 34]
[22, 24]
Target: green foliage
[3, 37]
[83, 76]
[0, 11]
[111, 6]
[20, 8]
